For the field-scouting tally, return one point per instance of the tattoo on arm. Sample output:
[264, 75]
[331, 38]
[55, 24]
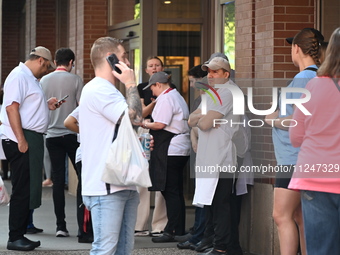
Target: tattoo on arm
[134, 105]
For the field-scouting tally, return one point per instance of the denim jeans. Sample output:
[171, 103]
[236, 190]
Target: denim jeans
[321, 215]
[113, 219]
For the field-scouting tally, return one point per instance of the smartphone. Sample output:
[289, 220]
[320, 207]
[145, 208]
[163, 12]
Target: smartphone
[113, 60]
[62, 99]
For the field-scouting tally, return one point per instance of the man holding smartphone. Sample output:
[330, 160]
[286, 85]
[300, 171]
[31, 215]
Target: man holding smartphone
[113, 208]
[24, 118]
[60, 141]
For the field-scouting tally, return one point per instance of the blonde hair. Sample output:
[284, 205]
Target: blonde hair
[154, 57]
[331, 66]
[101, 47]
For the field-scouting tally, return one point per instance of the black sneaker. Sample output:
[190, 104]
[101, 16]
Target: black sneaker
[85, 239]
[165, 238]
[34, 230]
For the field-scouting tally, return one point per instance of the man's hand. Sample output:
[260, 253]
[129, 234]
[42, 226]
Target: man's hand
[127, 76]
[53, 103]
[15, 122]
[152, 143]
[22, 146]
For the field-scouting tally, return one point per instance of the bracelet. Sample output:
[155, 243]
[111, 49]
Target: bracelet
[130, 82]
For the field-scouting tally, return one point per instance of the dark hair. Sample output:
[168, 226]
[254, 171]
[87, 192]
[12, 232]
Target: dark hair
[309, 43]
[331, 65]
[197, 72]
[63, 56]
[1, 96]
[154, 57]
[33, 57]
[322, 52]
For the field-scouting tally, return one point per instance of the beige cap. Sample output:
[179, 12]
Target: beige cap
[45, 53]
[217, 63]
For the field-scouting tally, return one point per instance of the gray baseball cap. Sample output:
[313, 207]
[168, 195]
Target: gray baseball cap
[161, 77]
[216, 54]
[217, 63]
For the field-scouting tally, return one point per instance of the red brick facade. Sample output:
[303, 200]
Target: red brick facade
[262, 53]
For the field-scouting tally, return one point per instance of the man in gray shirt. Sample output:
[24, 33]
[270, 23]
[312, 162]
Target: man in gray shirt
[60, 141]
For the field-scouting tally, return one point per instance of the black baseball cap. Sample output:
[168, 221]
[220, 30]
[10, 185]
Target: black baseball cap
[316, 32]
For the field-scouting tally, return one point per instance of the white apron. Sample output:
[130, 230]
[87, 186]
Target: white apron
[216, 152]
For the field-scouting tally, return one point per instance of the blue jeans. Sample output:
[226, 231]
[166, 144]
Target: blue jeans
[321, 215]
[113, 220]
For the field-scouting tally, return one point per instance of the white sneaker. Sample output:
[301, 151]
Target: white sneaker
[142, 233]
[62, 233]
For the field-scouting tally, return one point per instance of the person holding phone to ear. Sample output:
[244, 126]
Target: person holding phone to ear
[113, 208]
[60, 141]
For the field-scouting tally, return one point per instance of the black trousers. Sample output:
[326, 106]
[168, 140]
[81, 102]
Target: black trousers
[84, 230]
[219, 215]
[58, 148]
[20, 177]
[173, 195]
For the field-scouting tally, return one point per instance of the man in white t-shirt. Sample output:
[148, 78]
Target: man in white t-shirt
[24, 118]
[172, 148]
[113, 208]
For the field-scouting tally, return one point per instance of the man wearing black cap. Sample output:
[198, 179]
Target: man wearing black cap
[24, 120]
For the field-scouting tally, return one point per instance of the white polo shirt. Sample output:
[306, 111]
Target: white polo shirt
[172, 110]
[22, 87]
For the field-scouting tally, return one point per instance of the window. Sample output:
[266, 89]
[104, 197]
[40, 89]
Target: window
[229, 31]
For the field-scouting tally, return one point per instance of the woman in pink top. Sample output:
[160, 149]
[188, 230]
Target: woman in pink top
[317, 172]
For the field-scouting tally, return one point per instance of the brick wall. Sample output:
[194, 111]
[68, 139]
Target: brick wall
[95, 26]
[122, 11]
[262, 54]
[10, 37]
[46, 24]
[290, 17]
[245, 38]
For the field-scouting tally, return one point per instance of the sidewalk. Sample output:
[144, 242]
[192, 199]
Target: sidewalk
[51, 245]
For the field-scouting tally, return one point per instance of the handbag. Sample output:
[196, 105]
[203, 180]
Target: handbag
[126, 164]
[4, 197]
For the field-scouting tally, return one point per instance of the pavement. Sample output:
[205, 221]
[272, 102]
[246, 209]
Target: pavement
[51, 245]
